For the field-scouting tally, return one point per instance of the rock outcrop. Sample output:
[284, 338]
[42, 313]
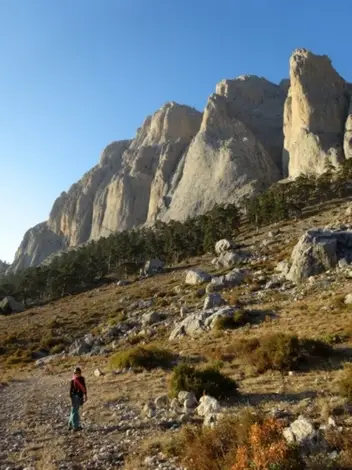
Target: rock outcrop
[317, 251]
[134, 194]
[3, 267]
[183, 162]
[315, 114]
[75, 214]
[347, 143]
[228, 159]
[38, 243]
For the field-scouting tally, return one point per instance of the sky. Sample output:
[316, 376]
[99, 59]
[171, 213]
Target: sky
[76, 75]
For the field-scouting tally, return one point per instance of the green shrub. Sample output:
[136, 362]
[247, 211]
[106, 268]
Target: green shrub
[345, 383]
[209, 381]
[145, 357]
[239, 318]
[281, 352]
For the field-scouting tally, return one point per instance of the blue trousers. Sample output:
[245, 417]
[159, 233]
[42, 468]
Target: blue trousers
[74, 420]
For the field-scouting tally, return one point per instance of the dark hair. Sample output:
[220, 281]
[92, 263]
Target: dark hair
[78, 369]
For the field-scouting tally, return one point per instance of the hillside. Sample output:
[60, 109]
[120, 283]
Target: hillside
[122, 429]
[181, 162]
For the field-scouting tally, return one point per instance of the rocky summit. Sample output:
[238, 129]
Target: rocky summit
[181, 162]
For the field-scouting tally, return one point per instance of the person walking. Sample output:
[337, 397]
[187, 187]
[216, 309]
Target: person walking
[78, 395]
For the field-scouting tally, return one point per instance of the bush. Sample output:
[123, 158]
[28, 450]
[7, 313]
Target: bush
[345, 383]
[266, 449]
[240, 442]
[239, 318]
[209, 381]
[148, 357]
[280, 351]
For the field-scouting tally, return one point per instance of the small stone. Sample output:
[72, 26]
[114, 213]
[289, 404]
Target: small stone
[98, 373]
[342, 263]
[188, 398]
[348, 299]
[162, 401]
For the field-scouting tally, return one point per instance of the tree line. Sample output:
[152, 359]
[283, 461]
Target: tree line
[124, 253]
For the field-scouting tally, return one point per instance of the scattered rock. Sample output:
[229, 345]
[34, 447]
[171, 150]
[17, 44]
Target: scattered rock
[211, 420]
[317, 251]
[9, 305]
[162, 401]
[208, 405]
[348, 299]
[196, 276]
[150, 318]
[222, 246]
[123, 282]
[153, 266]
[213, 300]
[188, 399]
[98, 373]
[233, 278]
[301, 432]
[149, 410]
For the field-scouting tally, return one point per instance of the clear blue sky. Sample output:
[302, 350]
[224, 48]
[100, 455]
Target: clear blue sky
[78, 74]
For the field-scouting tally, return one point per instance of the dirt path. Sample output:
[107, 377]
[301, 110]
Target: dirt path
[34, 433]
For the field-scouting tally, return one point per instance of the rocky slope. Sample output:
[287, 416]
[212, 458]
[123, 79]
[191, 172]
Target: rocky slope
[182, 162]
[128, 420]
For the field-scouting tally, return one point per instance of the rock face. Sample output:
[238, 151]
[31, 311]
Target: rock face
[317, 251]
[3, 267]
[183, 162]
[121, 192]
[38, 243]
[347, 143]
[315, 114]
[229, 157]
[75, 214]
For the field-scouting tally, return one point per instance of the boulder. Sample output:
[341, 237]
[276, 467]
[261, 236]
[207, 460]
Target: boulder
[188, 399]
[196, 276]
[81, 346]
[231, 279]
[213, 300]
[98, 373]
[211, 420]
[208, 405]
[123, 282]
[10, 305]
[153, 266]
[222, 246]
[229, 259]
[200, 321]
[348, 299]
[162, 402]
[283, 268]
[318, 250]
[301, 432]
[150, 318]
[224, 312]
[149, 410]
[314, 116]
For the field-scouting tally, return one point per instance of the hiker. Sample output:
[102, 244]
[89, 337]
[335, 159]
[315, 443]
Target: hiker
[78, 395]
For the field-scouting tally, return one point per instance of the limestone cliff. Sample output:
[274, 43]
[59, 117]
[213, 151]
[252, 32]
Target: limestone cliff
[227, 159]
[181, 162]
[38, 243]
[148, 165]
[315, 115]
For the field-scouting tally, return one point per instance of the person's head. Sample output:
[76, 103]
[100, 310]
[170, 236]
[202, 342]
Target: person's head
[77, 372]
